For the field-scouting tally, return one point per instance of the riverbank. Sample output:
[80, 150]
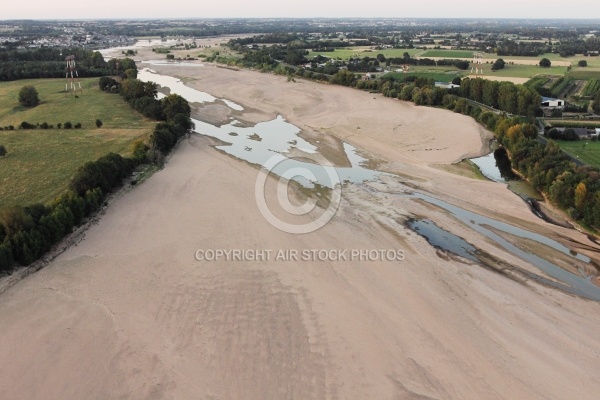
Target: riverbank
[153, 322]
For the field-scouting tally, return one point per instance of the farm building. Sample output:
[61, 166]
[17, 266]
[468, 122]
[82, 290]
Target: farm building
[550, 102]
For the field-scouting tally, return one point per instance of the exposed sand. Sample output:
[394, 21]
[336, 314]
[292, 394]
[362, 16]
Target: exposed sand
[129, 313]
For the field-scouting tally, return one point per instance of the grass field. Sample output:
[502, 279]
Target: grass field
[448, 53]
[587, 151]
[522, 71]
[40, 163]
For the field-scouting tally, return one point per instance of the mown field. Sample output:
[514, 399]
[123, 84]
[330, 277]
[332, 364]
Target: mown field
[587, 151]
[40, 163]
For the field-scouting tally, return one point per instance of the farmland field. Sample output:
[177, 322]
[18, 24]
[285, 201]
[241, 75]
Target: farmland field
[40, 162]
[448, 53]
[522, 71]
[591, 88]
[365, 51]
[585, 73]
[587, 151]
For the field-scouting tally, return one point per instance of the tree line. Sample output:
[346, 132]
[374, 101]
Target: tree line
[50, 63]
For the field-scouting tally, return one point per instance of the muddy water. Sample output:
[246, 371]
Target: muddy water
[489, 168]
[260, 143]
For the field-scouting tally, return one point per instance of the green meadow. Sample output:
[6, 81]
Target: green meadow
[587, 151]
[41, 162]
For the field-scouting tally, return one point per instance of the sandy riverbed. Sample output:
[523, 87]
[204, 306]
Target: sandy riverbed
[129, 312]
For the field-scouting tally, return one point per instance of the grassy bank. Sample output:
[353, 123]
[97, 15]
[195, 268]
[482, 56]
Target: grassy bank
[40, 163]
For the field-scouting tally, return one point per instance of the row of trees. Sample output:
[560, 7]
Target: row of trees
[45, 125]
[49, 63]
[26, 233]
[504, 96]
[575, 189]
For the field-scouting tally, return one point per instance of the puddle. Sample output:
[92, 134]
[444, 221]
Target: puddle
[442, 239]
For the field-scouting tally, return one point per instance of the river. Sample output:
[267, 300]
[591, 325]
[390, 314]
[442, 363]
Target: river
[258, 143]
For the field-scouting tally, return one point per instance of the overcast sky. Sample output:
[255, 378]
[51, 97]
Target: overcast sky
[44, 9]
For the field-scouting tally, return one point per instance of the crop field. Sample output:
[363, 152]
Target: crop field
[591, 88]
[448, 53]
[538, 82]
[587, 151]
[572, 123]
[40, 163]
[364, 51]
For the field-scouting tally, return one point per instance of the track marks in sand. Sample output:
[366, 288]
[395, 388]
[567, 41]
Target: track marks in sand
[254, 337]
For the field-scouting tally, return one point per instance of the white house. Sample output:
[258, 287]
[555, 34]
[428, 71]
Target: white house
[550, 102]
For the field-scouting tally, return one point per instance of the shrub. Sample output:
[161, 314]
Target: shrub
[139, 150]
[28, 96]
[2, 151]
[98, 123]
[544, 62]
[26, 125]
[68, 125]
[77, 125]
[582, 63]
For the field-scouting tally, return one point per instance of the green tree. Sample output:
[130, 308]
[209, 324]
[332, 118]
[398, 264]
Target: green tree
[28, 96]
[582, 63]
[174, 104]
[544, 62]
[498, 64]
